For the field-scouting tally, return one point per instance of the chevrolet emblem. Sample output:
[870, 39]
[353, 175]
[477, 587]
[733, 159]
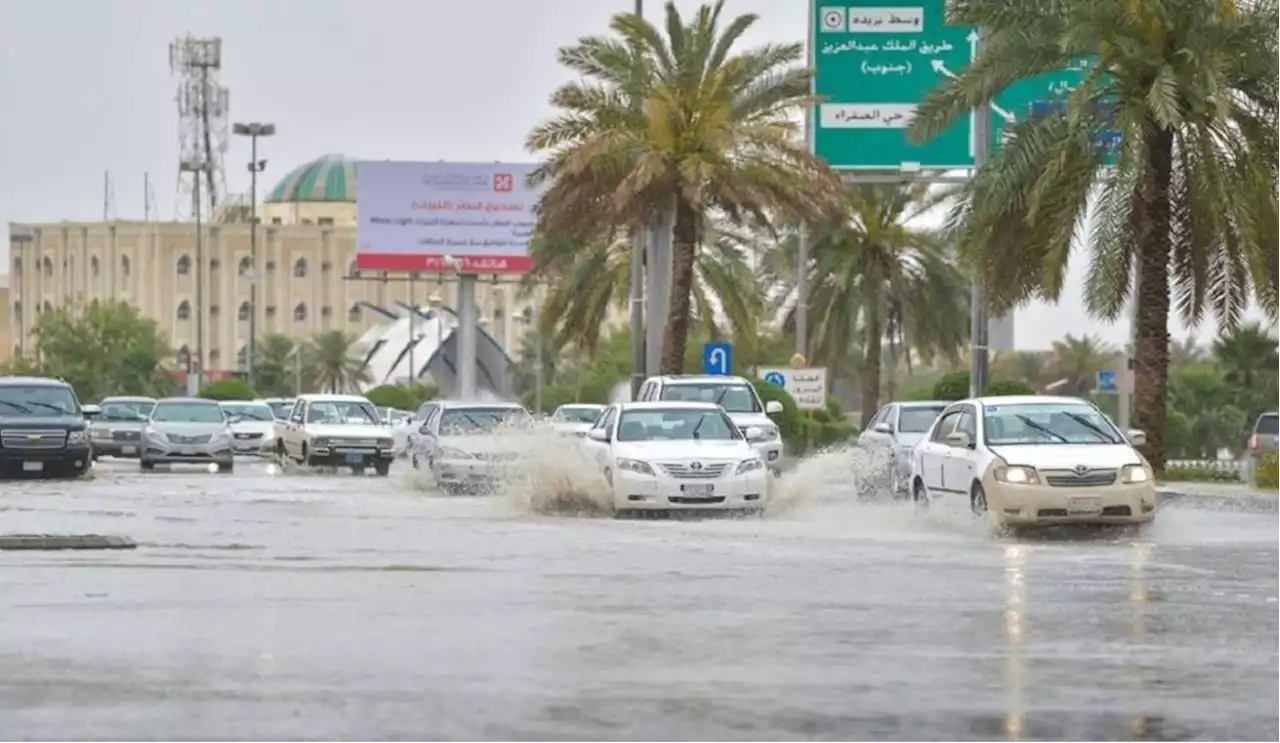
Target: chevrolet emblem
[33, 437]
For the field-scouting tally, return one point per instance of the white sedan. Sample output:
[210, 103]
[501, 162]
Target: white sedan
[670, 456]
[1033, 460]
[575, 419]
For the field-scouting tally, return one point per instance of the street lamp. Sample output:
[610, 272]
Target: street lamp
[253, 130]
[198, 166]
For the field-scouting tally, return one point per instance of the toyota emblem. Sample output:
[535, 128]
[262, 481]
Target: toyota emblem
[1081, 469]
[695, 466]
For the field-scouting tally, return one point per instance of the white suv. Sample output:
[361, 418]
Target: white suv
[735, 395]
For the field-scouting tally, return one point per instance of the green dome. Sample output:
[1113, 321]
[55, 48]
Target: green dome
[330, 178]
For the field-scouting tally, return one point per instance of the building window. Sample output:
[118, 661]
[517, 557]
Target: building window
[48, 267]
[17, 311]
[124, 265]
[243, 314]
[47, 307]
[271, 310]
[184, 265]
[184, 356]
[277, 220]
[326, 267]
[306, 221]
[214, 264]
[184, 310]
[353, 271]
[300, 312]
[246, 266]
[300, 268]
[326, 311]
[214, 310]
[324, 221]
[94, 267]
[214, 356]
[353, 314]
[271, 266]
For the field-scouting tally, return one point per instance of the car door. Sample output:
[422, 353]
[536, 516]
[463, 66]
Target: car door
[870, 436]
[932, 454]
[294, 430]
[598, 451]
[959, 464]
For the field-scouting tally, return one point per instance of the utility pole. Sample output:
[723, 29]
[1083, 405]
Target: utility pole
[978, 326]
[253, 130]
[802, 262]
[637, 291]
[537, 349]
[413, 330]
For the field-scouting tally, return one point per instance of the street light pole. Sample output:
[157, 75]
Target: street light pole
[253, 130]
[198, 167]
[638, 351]
[978, 322]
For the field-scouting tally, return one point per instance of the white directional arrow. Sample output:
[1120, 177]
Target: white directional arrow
[941, 68]
[972, 38]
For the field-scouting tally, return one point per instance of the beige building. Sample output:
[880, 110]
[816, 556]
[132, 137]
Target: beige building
[306, 253]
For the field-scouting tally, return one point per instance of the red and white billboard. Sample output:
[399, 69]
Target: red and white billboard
[434, 217]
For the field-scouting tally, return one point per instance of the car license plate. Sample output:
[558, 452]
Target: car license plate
[188, 452]
[698, 491]
[355, 459]
[1084, 505]
[128, 450]
[33, 466]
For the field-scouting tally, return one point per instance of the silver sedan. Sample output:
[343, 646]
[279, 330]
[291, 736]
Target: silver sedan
[186, 430]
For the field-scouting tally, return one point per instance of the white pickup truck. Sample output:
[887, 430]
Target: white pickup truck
[335, 431]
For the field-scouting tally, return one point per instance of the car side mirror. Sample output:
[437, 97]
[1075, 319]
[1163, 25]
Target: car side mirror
[1137, 437]
[754, 433]
[773, 407]
[882, 428]
[959, 439]
[234, 419]
[598, 434]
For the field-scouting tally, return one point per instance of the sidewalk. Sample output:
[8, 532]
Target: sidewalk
[1223, 495]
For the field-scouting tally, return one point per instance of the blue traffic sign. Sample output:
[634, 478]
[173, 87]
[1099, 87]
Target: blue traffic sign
[717, 359]
[776, 378]
[1106, 381]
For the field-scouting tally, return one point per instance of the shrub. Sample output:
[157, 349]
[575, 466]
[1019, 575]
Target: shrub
[1194, 473]
[392, 396]
[791, 423]
[955, 386]
[228, 389]
[1266, 475]
[422, 392]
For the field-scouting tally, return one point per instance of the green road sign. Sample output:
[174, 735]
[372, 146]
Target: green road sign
[875, 63]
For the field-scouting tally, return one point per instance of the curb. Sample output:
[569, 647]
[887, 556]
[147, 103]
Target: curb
[16, 542]
[1248, 502]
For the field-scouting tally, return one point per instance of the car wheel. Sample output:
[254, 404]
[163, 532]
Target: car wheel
[382, 468]
[226, 468]
[978, 500]
[920, 497]
[146, 465]
[357, 469]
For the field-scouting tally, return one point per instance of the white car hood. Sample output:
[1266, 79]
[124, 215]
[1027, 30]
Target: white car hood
[750, 419]
[1068, 456]
[262, 427]
[347, 431]
[566, 427]
[681, 450]
[481, 443]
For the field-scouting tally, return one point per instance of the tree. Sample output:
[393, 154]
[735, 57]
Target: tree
[1189, 209]
[277, 367]
[873, 277]
[1248, 361]
[336, 367]
[392, 396]
[1078, 359]
[109, 349]
[674, 121]
[228, 389]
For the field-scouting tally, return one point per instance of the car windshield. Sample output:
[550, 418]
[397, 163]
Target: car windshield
[281, 408]
[1047, 423]
[733, 397]
[475, 421]
[37, 400]
[578, 414]
[918, 419]
[1268, 425]
[335, 413]
[250, 411]
[126, 411]
[187, 412]
[676, 424]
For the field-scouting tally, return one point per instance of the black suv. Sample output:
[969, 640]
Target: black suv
[42, 428]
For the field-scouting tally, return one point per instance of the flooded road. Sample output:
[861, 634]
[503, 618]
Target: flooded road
[298, 606]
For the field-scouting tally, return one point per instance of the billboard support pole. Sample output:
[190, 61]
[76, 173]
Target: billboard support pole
[467, 336]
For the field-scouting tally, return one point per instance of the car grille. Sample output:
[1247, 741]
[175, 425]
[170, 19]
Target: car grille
[354, 442]
[126, 435]
[694, 470]
[1087, 479]
[248, 436]
[203, 439]
[23, 439]
[498, 456]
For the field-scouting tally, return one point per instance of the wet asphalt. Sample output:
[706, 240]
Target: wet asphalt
[270, 605]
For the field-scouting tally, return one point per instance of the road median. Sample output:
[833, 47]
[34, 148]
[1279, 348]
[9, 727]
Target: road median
[1217, 496]
[38, 542]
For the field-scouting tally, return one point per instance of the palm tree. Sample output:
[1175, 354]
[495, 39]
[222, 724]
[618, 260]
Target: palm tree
[334, 362]
[1188, 210]
[674, 119]
[1078, 359]
[1184, 352]
[872, 277]
[1027, 366]
[1248, 360]
[276, 372]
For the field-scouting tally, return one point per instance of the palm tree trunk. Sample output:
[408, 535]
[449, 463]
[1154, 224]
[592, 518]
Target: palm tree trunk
[1151, 352]
[870, 376]
[684, 241]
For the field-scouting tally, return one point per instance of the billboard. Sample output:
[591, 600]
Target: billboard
[433, 217]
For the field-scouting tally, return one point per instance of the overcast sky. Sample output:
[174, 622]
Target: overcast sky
[87, 88]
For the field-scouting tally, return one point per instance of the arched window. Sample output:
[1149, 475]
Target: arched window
[17, 311]
[214, 356]
[47, 306]
[246, 266]
[184, 310]
[124, 265]
[48, 266]
[94, 267]
[326, 267]
[300, 312]
[214, 264]
[326, 311]
[244, 312]
[300, 268]
[353, 314]
[352, 270]
[184, 265]
[214, 310]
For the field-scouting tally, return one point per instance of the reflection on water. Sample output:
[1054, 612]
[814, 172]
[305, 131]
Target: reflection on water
[1139, 579]
[1015, 602]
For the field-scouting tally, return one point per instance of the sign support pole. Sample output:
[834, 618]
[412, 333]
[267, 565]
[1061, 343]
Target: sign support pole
[467, 336]
[978, 323]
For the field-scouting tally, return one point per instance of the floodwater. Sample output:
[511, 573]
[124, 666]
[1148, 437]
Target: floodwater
[273, 604]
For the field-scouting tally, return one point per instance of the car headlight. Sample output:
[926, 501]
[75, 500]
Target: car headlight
[221, 436]
[320, 443]
[100, 433]
[77, 437]
[749, 465]
[385, 443]
[635, 465]
[1132, 473]
[768, 433]
[448, 452]
[155, 433]
[1017, 475]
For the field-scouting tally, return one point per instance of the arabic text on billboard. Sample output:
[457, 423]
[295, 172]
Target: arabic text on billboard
[413, 216]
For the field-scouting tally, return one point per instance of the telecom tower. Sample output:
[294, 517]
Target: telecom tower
[203, 107]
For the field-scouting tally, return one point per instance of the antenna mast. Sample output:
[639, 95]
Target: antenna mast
[203, 108]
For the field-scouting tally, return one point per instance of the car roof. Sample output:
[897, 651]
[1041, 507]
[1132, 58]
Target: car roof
[127, 398]
[33, 382]
[259, 403]
[458, 404]
[204, 400]
[593, 405]
[1027, 400]
[322, 397]
[275, 399]
[701, 379]
[921, 403]
[668, 405]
